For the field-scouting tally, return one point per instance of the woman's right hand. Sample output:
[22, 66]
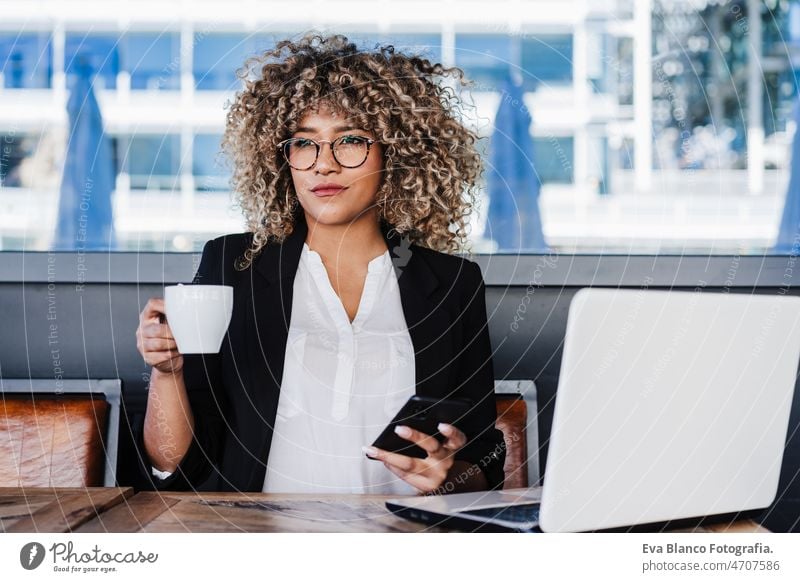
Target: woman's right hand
[154, 339]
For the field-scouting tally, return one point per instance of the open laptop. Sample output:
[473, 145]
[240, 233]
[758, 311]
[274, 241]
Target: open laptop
[670, 405]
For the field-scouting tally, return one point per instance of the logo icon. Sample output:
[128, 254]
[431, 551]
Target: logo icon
[31, 555]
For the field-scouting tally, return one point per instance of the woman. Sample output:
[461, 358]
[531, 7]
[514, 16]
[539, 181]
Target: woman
[356, 179]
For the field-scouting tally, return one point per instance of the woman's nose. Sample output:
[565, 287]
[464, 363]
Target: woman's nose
[326, 163]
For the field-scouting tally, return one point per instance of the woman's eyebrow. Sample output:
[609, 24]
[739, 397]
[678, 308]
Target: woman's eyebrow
[335, 129]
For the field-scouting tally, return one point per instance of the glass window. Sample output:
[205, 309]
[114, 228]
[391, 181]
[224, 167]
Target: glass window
[619, 71]
[426, 45]
[100, 51]
[699, 91]
[208, 165]
[217, 57]
[547, 59]
[26, 60]
[544, 58]
[153, 60]
[485, 58]
[152, 161]
[711, 182]
[366, 41]
[15, 149]
[553, 159]
[781, 75]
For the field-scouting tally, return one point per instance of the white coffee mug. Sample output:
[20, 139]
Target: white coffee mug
[198, 316]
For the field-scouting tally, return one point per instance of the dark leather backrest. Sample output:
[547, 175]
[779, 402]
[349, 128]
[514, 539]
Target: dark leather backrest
[52, 440]
[512, 418]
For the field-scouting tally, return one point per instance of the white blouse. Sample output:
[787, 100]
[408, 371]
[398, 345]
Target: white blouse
[342, 384]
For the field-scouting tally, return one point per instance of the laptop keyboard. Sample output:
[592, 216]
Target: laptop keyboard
[523, 513]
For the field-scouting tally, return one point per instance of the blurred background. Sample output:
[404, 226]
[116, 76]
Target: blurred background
[650, 126]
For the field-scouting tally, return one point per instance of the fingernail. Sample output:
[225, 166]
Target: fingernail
[403, 431]
[371, 451]
[442, 427]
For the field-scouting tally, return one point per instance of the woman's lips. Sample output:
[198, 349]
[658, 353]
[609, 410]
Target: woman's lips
[323, 192]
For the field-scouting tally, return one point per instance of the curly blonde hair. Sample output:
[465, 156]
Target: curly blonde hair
[431, 164]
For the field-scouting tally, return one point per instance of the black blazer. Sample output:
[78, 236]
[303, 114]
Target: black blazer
[234, 394]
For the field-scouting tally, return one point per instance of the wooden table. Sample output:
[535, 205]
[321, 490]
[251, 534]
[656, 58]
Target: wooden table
[252, 512]
[119, 510]
[55, 510]
[263, 512]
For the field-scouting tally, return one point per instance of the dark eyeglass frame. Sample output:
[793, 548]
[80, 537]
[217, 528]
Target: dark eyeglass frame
[284, 147]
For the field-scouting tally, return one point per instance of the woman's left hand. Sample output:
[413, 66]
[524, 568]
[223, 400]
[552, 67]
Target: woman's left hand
[430, 473]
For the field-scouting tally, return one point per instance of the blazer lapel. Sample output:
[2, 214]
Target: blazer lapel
[428, 323]
[269, 310]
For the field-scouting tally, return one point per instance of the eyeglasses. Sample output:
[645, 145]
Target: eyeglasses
[349, 151]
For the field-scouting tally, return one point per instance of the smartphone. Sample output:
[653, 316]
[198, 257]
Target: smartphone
[422, 413]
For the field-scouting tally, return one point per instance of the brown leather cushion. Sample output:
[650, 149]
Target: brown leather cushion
[512, 419]
[52, 440]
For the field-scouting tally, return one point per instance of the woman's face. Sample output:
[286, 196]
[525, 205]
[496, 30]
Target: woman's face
[354, 189]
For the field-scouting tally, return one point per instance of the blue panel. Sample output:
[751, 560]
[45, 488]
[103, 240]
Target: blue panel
[26, 60]
[207, 157]
[547, 59]
[153, 60]
[101, 52]
[554, 159]
[150, 157]
[208, 165]
[218, 56]
[485, 58]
